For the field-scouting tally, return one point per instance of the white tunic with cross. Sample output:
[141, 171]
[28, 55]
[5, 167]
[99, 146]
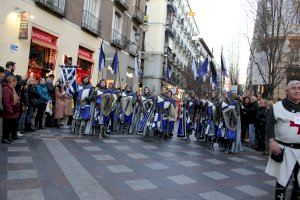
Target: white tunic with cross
[287, 130]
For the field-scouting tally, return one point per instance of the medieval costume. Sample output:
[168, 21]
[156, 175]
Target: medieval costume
[84, 109]
[128, 100]
[284, 120]
[146, 109]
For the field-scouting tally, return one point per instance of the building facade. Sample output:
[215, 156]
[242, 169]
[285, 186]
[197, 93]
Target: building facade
[42, 35]
[171, 40]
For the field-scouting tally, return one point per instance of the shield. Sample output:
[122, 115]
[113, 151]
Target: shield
[126, 105]
[230, 118]
[147, 104]
[115, 98]
[172, 112]
[106, 104]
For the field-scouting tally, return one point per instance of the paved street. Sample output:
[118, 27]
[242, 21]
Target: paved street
[56, 165]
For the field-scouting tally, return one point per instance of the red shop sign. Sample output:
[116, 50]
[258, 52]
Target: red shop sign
[85, 53]
[44, 37]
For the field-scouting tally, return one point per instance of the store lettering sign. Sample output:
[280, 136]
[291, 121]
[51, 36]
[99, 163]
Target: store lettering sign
[85, 53]
[43, 37]
[23, 30]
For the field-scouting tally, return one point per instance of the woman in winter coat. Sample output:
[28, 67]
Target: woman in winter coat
[33, 101]
[60, 104]
[42, 103]
[69, 111]
[11, 111]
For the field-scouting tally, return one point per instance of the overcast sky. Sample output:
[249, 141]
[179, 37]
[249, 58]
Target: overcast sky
[222, 23]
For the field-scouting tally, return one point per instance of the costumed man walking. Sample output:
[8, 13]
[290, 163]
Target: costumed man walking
[128, 100]
[172, 114]
[283, 122]
[147, 108]
[83, 108]
[114, 121]
[188, 116]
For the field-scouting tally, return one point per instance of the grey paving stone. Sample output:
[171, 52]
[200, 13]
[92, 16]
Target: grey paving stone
[141, 184]
[261, 167]
[119, 168]
[149, 147]
[82, 141]
[121, 148]
[25, 194]
[111, 141]
[181, 179]
[189, 163]
[271, 182]
[103, 157]
[21, 174]
[156, 166]
[193, 153]
[134, 140]
[91, 148]
[173, 146]
[137, 155]
[20, 141]
[83, 183]
[251, 190]
[17, 149]
[215, 161]
[215, 195]
[255, 158]
[166, 154]
[236, 159]
[243, 171]
[215, 175]
[19, 159]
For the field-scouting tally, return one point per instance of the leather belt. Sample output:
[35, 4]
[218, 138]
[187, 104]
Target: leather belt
[291, 145]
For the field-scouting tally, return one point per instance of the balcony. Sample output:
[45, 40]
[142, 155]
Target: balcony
[171, 7]
[91, 23]
[122, 4]
[132, 48]
[170, 30]
[138, 15]
[57, 7]
[118, 39]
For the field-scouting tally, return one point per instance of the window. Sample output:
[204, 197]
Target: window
[137, 3]
[118, 23]
[133, 34]
[92, 6]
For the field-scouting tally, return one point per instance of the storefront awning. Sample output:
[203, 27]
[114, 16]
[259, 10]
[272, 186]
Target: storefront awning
[43, 44]
[85, 58]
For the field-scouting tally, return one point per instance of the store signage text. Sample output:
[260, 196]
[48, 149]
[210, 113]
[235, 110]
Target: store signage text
[23, 30]
[85, 53]
[43, 37]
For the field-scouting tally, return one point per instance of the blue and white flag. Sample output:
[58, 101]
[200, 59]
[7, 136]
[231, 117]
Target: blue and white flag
[194, 69]
[137, 66]
[214, 76]
[203, 69]
[69, 74]
[223, 66]
[101, 58]
[168, 69]
[115, 63]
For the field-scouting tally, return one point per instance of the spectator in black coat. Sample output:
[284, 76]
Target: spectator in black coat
[51, 91]
[244, 117]
[261, 117]
[33, 100]
[252, 111]
[24, 103]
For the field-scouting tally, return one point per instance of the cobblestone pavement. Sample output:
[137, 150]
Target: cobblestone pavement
[54, 165]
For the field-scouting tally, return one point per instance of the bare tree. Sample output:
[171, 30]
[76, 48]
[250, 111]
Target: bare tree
[276, 23]
[233, 64]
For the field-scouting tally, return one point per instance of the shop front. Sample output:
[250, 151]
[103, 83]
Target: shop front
[85, 63]
[42, 55]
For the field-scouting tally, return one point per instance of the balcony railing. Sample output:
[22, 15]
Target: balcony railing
[91, 23]
[171, 6]
[56, 6]
[118, 39]
[132, 48]
[122, 4]
[138, 15]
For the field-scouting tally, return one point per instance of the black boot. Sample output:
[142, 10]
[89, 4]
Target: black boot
[279, 192]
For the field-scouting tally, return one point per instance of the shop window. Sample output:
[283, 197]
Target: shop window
[84, 64]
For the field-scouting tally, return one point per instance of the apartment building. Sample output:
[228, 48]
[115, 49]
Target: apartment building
[171, 38]
[42, 35]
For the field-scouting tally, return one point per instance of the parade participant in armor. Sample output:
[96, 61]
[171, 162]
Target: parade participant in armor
[83, 108]
[188, 117]
[147, 108]
[283, 122]
[114, 120]
[160, 114]
[102, 110]
[225, 144]
[172, 114]
[128, 100]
